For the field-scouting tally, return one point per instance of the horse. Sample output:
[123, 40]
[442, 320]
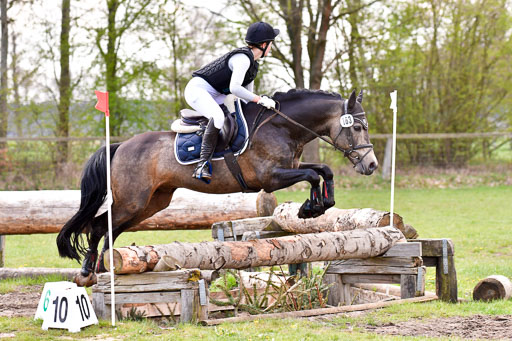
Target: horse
[145, 172]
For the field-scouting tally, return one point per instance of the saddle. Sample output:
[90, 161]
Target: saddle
[190, 128]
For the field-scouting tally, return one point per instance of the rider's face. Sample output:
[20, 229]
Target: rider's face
[269, 48]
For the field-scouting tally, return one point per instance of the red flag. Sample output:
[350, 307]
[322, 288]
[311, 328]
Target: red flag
[102, 104]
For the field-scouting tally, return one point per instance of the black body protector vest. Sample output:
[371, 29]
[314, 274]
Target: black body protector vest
[218, 74]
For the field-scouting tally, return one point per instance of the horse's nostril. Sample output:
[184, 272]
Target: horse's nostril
[373, 166]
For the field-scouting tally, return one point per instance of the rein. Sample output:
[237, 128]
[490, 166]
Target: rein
[346, 152]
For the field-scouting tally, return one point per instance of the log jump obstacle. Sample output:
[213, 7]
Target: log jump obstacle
[363, 255]
[180, 295]
[133, 265]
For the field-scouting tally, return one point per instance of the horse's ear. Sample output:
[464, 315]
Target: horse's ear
[352, 100]
[360, 96]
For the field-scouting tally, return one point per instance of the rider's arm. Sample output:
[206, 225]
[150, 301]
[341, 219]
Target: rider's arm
[250, 86]
[239, 64]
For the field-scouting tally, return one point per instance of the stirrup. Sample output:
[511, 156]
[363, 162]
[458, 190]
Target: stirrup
[201, 174]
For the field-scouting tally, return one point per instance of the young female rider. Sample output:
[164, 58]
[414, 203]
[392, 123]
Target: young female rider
[232, 73]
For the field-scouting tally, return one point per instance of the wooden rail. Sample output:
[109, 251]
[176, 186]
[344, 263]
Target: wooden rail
[425, 136]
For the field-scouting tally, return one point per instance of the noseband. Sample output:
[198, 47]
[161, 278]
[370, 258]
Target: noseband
[351, 153]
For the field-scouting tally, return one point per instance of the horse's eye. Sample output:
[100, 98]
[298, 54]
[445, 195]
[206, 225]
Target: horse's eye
[357, 128]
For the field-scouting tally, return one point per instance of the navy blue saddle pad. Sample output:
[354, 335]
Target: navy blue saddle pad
[188, 146]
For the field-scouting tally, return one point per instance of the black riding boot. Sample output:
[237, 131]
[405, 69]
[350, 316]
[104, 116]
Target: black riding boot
[207, 147]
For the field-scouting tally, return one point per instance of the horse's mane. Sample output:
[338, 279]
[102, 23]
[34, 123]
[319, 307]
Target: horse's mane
[301, 93]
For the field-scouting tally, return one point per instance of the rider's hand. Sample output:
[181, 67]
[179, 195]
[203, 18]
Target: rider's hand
[267, 102]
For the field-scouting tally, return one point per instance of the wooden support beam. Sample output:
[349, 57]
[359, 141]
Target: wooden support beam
[320, 311]
[440, 253]
[68, 273]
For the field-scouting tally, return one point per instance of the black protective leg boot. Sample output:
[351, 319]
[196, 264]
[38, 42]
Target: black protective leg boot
[210, 136]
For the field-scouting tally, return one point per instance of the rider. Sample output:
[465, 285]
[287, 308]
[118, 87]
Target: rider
[232, 73]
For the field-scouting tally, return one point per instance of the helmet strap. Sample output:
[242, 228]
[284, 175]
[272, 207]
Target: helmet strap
[264, 50]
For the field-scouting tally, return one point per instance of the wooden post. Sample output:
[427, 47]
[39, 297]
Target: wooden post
[335, 291]
[187, 305]
[446, 282]
[407, 286]
[2, 250]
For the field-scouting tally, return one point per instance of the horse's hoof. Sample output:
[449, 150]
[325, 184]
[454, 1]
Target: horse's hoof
[310, 209]
[328, 204]
[85, 281]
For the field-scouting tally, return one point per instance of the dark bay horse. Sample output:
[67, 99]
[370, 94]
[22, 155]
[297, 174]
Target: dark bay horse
[145, 172]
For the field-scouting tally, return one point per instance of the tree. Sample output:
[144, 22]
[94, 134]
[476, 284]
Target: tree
[4, 114]
[117, 71]
[312, 21]
[64, 85]
[446, 58]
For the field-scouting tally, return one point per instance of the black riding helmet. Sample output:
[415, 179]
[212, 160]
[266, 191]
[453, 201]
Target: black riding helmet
[259, 33]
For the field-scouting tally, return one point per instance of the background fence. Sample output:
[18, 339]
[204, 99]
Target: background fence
[31, 162]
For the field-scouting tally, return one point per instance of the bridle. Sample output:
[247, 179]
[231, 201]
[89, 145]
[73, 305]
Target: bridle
[350, 153]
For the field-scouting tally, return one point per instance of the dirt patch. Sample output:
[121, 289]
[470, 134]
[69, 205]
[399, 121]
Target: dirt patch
[467, 327]
[22, 301]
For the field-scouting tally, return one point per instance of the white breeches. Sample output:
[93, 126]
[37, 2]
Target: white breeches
[205, 100]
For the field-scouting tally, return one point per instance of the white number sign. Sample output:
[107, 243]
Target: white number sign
[347, 120]
[66, 306]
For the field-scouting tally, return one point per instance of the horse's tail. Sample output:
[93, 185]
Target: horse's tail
[93, 193]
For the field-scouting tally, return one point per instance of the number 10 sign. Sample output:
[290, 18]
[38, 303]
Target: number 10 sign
[66, 306]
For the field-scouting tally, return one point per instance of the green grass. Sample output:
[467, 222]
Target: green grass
[477, 219]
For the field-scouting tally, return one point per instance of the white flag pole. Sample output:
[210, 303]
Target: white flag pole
[393, 156]
[109, 206]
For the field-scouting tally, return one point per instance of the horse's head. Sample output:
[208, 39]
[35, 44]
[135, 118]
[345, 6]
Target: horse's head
[350, 134]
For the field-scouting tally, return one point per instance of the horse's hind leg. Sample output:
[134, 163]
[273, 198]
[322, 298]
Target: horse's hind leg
[125, 211]
[99, 227]
[159, 201]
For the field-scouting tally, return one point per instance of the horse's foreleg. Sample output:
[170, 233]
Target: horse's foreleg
[328, 186]
[282, 178]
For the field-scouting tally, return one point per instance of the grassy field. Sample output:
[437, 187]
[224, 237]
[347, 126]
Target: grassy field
[477, 219]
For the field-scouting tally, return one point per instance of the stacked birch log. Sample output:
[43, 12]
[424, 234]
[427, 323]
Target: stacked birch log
[339, 234]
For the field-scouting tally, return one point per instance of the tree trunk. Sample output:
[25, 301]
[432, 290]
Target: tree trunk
[294, 249]
[31, 212]
[4, 114]
[292, 12]
[64, 87]
[335, 219]
[18, 119]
